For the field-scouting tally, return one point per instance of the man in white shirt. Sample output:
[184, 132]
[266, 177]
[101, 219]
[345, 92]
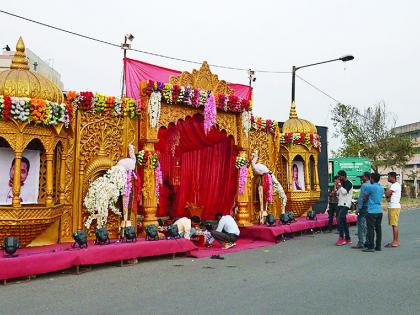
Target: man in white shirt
[393, 194]
[345, 195]
[184, 226]
[227, 231]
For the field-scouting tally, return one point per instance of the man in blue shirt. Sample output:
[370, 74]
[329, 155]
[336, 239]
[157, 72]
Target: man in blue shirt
[362, 211]
[373, 195]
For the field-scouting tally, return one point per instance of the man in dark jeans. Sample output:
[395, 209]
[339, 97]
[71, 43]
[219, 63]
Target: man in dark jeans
[345, 195]
[373, 195]
[332, 204]
[227, 231]
[362, 212]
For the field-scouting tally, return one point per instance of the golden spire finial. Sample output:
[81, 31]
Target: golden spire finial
[293, 113]
[19, 60]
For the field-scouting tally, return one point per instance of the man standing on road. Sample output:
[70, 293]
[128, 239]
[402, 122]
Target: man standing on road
[373, 195]
[332, 203]
[362, 211]
[393, 194]
[345, 194]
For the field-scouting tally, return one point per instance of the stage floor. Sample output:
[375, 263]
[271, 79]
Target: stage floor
[44, 259]
[38, 260]
[272, 233]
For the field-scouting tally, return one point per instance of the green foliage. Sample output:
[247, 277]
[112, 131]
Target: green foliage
[370, 134]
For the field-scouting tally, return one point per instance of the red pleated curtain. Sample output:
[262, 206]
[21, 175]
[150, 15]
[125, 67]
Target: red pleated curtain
[200, 168]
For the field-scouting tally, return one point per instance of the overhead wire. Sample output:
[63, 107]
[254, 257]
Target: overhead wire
[134, 49]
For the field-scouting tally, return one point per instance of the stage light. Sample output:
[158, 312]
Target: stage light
[311, 215]
[152, 233]
[287, 218]
[130, 234]
[102, 236]
[270, 219]
[173, 231]
[80, 238]
[11, 245]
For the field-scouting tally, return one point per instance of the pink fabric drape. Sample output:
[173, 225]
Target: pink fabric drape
[207, 174]
[136, 71]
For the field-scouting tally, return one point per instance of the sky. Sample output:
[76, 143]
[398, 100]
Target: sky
[382, 35]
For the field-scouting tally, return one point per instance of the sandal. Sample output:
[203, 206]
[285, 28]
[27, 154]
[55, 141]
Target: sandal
[390, 245]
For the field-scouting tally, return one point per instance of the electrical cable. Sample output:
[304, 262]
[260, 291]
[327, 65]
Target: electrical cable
[133, 49]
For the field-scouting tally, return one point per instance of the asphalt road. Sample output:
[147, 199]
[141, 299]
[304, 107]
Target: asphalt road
[306, 275]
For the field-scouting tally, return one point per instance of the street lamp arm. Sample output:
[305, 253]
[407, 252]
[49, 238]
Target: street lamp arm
[317, 63]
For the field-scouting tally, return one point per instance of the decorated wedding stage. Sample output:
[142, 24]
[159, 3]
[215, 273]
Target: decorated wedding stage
[177, 144]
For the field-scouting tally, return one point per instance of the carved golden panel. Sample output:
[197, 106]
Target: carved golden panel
[203, 79]
[227, 122]
[172, 113]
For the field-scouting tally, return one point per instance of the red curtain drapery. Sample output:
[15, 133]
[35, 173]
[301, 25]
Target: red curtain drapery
[206, 171]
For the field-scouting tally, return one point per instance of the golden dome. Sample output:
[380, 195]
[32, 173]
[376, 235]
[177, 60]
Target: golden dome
[295, 124]
[19, 81]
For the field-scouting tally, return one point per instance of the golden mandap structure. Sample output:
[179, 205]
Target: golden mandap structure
[71, 157]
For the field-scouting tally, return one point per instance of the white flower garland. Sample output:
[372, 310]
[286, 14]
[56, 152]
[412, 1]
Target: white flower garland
[155, 101]
[246, 122]
[102, 195]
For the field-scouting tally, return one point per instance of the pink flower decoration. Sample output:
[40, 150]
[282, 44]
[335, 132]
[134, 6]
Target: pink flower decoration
[243, 178]
[209, 113]
[158, 180]
[127, 189]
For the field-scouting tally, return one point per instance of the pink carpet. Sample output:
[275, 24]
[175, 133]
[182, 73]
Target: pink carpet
[44, 259]
[216, 249]
[272, 233]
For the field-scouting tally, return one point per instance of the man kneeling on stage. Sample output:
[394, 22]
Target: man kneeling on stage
[185, 226]
[227, 231]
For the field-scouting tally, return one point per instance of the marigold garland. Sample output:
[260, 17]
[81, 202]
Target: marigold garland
[47, 113]
[196, 97]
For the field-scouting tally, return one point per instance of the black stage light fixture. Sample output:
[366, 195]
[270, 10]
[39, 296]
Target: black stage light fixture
[173, 231]
[311, 215]
[152, 233]
[102, 236]
[270, 219]
[287, 218]
[11, 245]
[80, 238]
[130, 234]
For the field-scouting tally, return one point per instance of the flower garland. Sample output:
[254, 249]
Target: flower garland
[268, 187]
[196, 97]
[243, 178]
[47, 113]
[128, 189]
[102, 195]
[159, 180]
[153, 108]
[261, 124]
[209, 113]
[246, 122]
[309, 139]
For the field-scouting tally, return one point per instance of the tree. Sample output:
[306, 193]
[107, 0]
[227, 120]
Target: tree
[370, 134]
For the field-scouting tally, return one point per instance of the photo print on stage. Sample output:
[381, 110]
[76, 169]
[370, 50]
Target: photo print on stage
[30, 166]
[298, 176]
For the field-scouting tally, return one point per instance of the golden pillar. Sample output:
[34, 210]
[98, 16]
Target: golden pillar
[149, 198]
[289, 175]
[16, 180]
[243, 200]
[307, 177]
[243, 216]
[62, 196]
[49, 187]
[316, 179]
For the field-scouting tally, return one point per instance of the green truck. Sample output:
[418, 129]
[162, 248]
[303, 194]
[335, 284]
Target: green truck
[354, 166]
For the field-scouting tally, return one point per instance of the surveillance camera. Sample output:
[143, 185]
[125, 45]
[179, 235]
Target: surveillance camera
[254, 79]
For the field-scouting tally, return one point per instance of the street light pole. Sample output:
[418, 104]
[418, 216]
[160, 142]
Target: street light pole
[124, 46]
[294, 69]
